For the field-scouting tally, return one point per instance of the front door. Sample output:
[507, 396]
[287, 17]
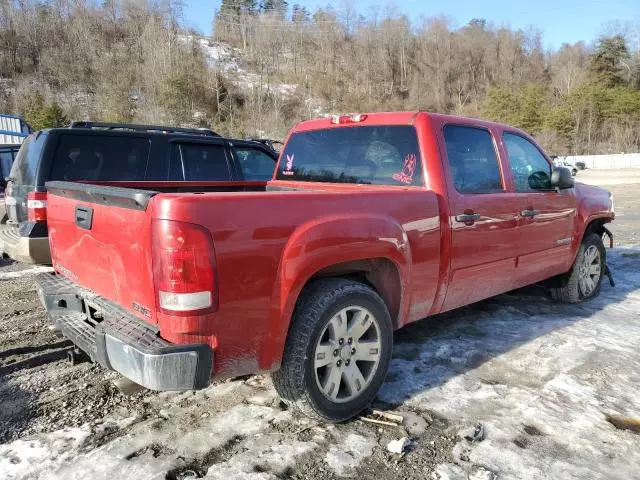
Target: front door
[483, 216]
[548, 217]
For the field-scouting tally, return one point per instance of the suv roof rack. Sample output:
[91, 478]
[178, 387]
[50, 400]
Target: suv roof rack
[144, 128]
[267, 142]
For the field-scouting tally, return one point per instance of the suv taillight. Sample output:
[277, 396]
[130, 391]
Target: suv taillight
[37, 206]
[184, 268]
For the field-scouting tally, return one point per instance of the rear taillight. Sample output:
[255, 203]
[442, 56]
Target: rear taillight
[37, 206]
[184, 268]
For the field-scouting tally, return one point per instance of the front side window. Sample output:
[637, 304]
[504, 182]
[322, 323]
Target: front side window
[531, 171]
[255, 164]
[375, 155]
[472, 159]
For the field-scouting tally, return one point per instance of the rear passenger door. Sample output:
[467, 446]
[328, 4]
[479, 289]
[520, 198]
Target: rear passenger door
[200, 161]
[548, 216]
[483, 219]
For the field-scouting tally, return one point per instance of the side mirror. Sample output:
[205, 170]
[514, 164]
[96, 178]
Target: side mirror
[561, 178]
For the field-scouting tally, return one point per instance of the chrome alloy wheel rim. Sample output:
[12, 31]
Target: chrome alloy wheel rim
[347, 354]
[589, 271]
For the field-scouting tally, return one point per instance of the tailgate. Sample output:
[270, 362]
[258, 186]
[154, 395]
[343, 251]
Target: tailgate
[100, 239]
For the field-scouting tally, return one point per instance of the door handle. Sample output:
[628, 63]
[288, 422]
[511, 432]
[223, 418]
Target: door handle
[467, 218]
[529, 213]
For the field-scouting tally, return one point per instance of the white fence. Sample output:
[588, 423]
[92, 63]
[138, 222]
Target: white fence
[620, 160]
[13, 130]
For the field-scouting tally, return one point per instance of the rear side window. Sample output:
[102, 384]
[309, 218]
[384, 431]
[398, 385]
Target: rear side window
[472, 159]
[100, 157]
[254, 164]
[203, 162]
[377, 155]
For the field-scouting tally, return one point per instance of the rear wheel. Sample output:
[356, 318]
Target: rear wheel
[337, 352]
[584, 279]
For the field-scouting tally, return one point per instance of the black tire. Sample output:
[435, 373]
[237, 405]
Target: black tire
[570, 291]
[295, 381]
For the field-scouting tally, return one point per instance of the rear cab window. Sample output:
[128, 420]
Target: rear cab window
[374, 155]
[100, 157]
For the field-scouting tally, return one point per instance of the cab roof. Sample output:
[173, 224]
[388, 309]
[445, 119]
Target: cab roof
[392, 118]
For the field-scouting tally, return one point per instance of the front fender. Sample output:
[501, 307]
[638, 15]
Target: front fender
[594, 203]
[319, 244]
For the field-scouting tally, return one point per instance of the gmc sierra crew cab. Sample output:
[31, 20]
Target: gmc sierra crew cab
[370, 222]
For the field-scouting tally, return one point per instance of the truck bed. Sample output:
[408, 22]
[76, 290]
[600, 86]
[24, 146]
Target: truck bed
[269, 238]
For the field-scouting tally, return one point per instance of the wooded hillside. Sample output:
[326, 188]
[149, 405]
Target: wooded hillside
[272, 64]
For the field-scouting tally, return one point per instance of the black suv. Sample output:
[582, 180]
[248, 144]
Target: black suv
[96, 151]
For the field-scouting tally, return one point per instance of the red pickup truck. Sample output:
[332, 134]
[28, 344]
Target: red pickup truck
[371, 222]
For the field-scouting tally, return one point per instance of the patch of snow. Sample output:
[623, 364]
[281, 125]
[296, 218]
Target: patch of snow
[539, 375]
[448, 471]
[261, 456]
[348, 454]
[26, 459]
[27, 271]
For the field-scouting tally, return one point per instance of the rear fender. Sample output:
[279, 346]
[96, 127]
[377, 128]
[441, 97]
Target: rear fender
[319, 244]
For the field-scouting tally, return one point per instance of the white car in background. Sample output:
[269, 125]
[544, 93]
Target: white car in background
[563, 163]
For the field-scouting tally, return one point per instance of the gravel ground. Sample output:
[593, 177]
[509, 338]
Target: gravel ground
[536, 375]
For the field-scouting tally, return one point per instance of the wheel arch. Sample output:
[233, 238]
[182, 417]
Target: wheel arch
[376, 252]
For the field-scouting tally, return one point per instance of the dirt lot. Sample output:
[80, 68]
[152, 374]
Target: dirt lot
[539, 378]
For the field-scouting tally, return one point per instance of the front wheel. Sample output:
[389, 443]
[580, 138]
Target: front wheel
[337, 352]
[584, 279]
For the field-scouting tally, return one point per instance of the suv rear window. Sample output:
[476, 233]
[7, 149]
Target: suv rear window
[377, 155]
[100, 157]
[26, 163]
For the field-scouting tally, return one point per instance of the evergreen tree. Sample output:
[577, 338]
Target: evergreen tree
[274, 6]
[238, 6]
[607, 62]
[53, 117]
[300, 13]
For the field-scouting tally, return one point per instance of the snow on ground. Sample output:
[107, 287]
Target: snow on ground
[226, 58]
[29, 270]
[539, 376]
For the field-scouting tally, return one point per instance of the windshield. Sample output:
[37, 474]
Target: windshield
[377, 155]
